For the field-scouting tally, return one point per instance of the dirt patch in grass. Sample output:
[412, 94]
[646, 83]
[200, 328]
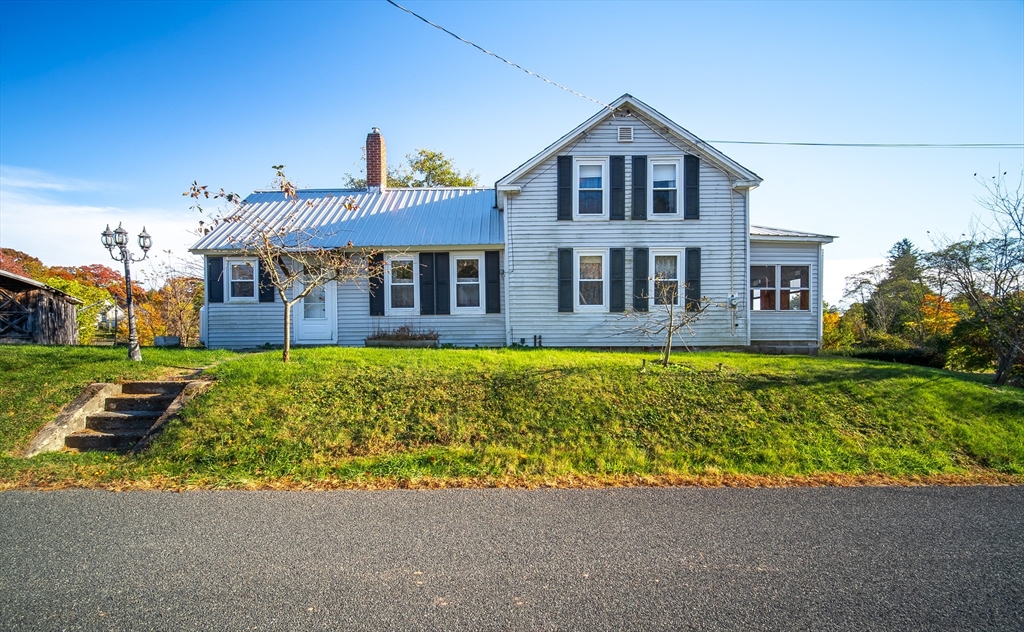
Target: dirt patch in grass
[162, 483]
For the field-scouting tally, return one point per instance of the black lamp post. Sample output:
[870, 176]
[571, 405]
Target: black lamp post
[119, 239]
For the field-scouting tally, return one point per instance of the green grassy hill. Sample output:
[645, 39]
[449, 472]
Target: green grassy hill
[365, 417]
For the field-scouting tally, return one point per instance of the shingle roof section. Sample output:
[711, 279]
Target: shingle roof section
[396, 218]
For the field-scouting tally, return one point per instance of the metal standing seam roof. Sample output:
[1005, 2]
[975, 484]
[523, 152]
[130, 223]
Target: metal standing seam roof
[394, 218]
[765, 231]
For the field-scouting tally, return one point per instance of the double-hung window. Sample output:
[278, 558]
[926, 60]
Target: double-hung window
[467, 271]
[663, 179]
[591, 280]
[779, 287]
[401, 287]
[795, 290]
[241, 277]
[666, 288]
[591, 181]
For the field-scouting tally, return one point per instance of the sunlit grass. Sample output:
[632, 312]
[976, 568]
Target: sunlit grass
[367, 414]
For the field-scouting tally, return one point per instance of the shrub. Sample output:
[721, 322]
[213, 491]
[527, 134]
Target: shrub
[915, 357]
[405, 332]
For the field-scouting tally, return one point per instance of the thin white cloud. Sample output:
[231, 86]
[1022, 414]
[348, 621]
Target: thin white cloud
[21, 178]
[38, 220]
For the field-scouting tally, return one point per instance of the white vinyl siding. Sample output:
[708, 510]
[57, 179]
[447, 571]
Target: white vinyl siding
[250, 325]
[534, 235]
[787, 325]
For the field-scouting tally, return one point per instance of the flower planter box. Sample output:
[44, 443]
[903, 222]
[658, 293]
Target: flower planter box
[403, 344]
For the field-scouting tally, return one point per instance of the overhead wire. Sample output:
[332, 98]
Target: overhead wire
[723, 142]
[497, 56]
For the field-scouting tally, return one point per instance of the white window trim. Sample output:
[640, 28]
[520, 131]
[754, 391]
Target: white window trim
[605, 188]
[402, 311]
[665, 160]
[680, 271]
[778, 297]
[778, 288]
[255, 298]
[453, 283]
[605, 278]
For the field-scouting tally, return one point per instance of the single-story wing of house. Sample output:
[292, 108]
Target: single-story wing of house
[623, 216]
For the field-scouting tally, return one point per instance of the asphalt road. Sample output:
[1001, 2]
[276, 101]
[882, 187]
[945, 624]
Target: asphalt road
[670, 559]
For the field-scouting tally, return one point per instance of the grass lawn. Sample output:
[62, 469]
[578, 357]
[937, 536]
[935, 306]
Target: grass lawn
[379, 418]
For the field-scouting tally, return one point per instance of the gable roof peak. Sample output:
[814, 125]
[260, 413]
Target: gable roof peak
[640, 110]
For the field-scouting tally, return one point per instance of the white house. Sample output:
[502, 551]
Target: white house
[555, 254]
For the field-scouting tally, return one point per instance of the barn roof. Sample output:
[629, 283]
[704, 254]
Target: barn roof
[18, 283]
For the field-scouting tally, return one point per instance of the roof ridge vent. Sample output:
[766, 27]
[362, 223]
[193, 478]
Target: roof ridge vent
[625, 133]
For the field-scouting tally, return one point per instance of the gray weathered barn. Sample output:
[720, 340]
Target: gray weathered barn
[33, 312]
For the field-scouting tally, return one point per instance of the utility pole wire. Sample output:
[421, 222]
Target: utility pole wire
[899, 145]
[496, 56]
[732, 142]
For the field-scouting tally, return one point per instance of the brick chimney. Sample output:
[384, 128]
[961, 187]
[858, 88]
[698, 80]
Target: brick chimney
[376, 161]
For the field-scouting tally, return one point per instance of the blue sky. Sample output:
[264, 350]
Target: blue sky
[109, 110]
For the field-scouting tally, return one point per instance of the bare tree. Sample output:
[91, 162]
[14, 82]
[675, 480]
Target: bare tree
[286, 248]
[668, 317]
[986, 267]
[177, 295]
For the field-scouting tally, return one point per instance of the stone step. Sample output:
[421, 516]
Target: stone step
[153, 388]
[112, 422]
[92, 440]
[123, 403]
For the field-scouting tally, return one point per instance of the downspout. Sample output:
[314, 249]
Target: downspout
[506, 270]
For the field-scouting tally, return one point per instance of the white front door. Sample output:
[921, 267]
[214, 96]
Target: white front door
[315, 316]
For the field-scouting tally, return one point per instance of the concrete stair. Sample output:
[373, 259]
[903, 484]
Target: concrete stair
[125, 418]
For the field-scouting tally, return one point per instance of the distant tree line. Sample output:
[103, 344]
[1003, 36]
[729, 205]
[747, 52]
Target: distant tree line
[958, 306]
[170, 308]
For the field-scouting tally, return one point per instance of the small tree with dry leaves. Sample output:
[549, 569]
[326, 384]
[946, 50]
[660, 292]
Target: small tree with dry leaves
[668, 317]
[288, 250]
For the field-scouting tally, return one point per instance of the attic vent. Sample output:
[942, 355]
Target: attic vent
[625, 134]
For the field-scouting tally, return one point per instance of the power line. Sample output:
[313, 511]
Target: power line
[899, 145]
[496, 56]
[723, 142]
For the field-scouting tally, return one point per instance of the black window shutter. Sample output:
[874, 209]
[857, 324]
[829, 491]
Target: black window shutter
[692, 279]
[442, 283]
[427, 271]
[691, 194]
[377, 285]
[640, 281]
[618, 187]
[618, 280]
[565, 280]
[215, 279]
[267, 290]
[639, 187]
[565, 187]
[492, 278]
